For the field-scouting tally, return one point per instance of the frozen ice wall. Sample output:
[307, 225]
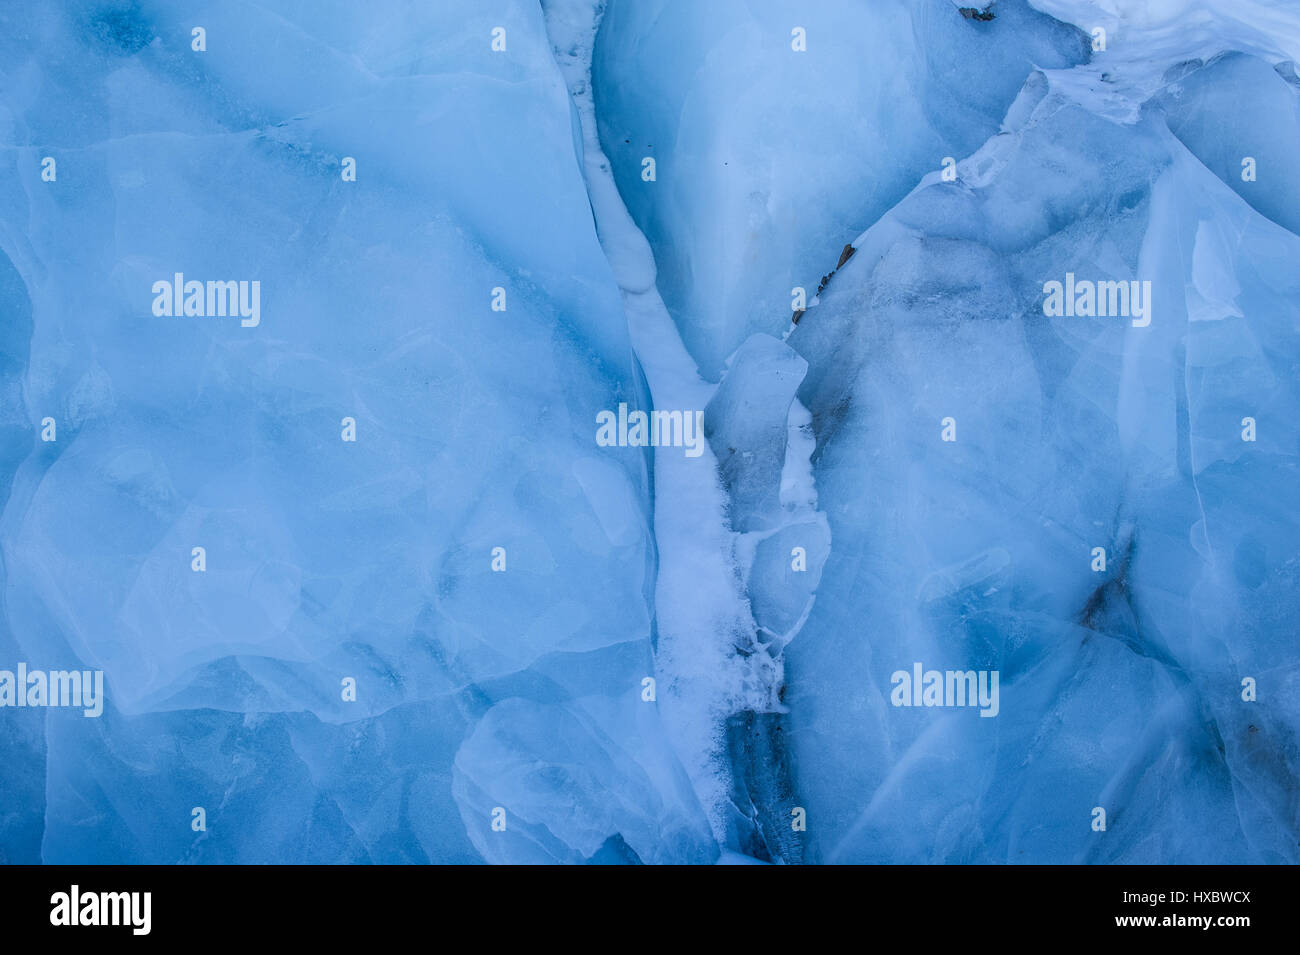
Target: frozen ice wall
[365, 587]
[390, 467]
[1082, 504]
[769, 159]
[1121, 674]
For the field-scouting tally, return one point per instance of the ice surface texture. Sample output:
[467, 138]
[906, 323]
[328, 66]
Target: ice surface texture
[565, 652]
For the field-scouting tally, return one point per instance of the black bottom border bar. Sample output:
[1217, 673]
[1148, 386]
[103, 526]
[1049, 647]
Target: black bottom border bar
[335, 904]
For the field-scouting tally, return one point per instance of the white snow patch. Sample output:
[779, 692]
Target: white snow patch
[703, 615]
[1144, 38]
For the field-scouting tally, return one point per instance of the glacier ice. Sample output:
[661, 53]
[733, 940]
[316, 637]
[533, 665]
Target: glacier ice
[768, 162]
[436, 621]
[1123, 688]
[326, 559]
